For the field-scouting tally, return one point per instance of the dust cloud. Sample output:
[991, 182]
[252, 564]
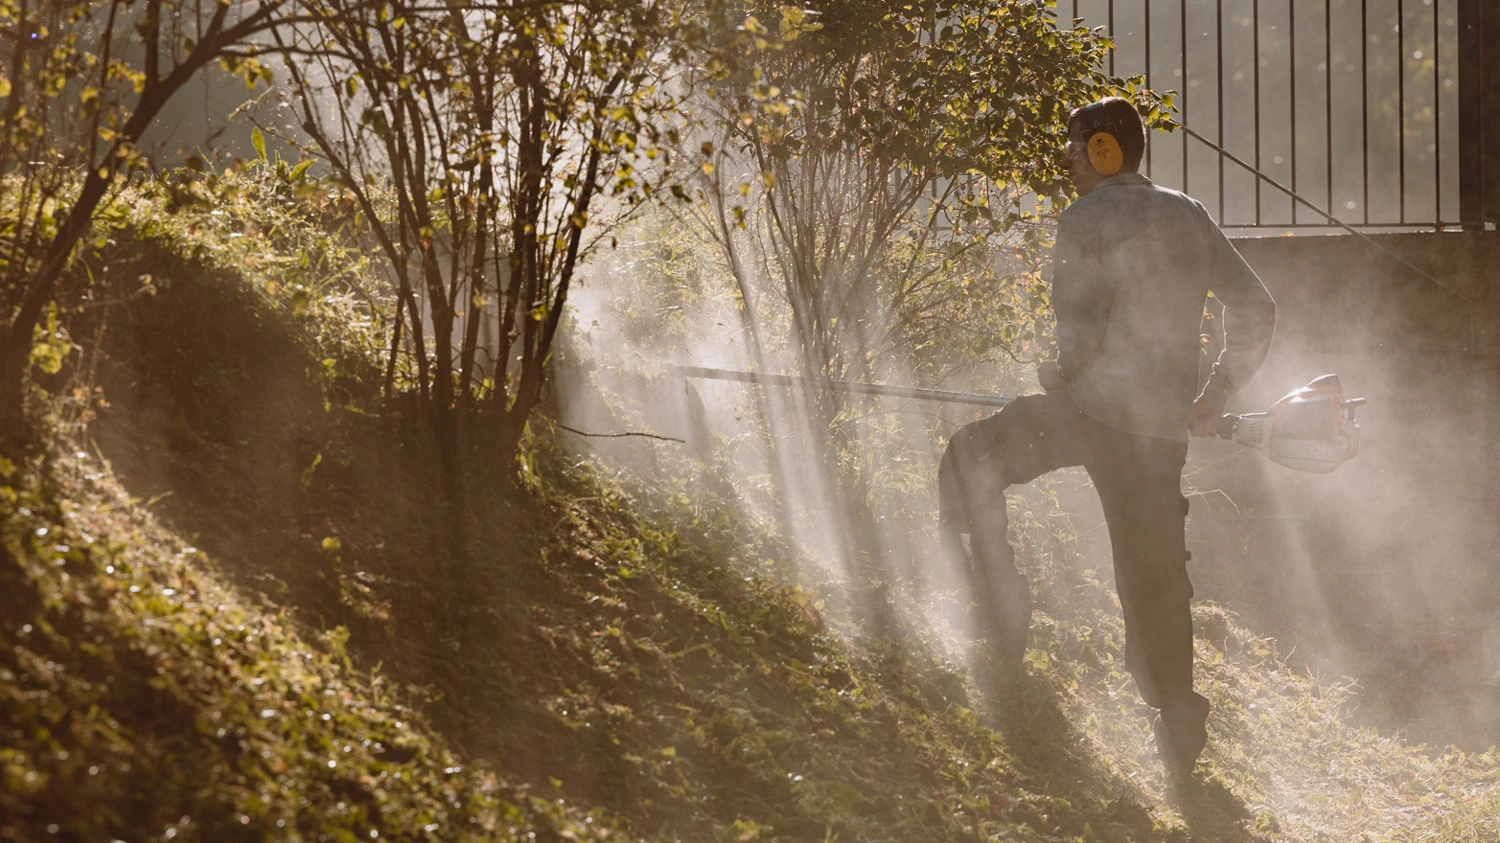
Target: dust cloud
[663, 299]
[1385, 570]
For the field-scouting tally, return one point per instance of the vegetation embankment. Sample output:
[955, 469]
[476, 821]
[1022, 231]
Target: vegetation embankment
[663, 668]
[268, 572]
[232, 612]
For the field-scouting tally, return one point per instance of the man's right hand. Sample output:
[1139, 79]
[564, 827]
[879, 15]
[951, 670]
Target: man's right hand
[1050, 375]
[1205, 415]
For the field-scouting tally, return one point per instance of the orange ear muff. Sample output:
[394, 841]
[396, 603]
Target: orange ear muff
[1105, 154]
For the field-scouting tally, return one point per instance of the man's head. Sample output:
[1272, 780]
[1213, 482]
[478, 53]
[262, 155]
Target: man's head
[1113, 116]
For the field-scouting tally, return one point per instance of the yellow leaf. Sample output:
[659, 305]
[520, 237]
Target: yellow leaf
[48, 357]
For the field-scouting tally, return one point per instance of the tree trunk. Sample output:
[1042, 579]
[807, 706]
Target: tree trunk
[15, 343]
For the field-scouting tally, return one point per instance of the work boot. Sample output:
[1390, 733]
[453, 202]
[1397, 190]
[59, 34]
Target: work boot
[1181, 734]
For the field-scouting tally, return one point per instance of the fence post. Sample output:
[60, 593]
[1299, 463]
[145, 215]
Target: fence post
[1478, 97]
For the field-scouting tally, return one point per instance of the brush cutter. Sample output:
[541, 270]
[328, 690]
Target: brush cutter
[1311, 429]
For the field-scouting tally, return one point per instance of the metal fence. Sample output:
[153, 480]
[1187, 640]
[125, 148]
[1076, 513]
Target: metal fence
[1352, 104]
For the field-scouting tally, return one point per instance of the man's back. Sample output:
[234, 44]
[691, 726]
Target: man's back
[1133, 266]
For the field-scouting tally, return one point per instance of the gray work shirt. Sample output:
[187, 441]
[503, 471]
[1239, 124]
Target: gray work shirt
[1133, 266]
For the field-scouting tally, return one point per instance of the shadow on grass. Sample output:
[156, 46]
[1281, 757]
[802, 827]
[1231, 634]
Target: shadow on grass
[1054, 754]
[1211, 811]
[219, 421]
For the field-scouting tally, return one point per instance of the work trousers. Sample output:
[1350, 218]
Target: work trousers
[1139, 483]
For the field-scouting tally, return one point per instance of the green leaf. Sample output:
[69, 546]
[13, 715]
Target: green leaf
[259, 141]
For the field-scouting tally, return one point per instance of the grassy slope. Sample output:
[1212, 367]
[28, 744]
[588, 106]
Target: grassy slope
[638, 654]
[141, 698]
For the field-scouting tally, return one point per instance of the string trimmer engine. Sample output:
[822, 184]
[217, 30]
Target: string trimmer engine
[1311, 429]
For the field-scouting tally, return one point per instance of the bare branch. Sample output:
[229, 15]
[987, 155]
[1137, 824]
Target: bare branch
[575, 430]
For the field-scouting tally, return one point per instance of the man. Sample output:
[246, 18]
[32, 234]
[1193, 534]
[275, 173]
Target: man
[1132, 268]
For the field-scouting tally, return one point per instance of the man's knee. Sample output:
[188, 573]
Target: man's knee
[970, 468]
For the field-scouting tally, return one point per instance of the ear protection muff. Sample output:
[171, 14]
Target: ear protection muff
[1102, 143]
[1104, 153]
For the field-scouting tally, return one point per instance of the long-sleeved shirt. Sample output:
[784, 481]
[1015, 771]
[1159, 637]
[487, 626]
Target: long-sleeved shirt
[1133, 266]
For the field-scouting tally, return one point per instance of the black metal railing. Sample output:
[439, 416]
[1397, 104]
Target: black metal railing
[1352, 105]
